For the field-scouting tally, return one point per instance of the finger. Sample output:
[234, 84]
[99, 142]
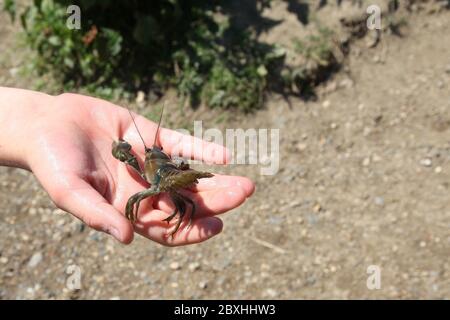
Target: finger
[152, 227]
[175, 143]
[83, 201]
[178, 144]
[210, 202]
[223, 181]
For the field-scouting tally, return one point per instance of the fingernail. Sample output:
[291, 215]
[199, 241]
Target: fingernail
[115, 233]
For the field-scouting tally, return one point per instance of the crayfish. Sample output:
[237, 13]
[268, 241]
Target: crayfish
[163, 174]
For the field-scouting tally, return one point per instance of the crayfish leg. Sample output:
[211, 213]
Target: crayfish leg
[169, 218]
[192, 203]
[180, 206]
[132, 207]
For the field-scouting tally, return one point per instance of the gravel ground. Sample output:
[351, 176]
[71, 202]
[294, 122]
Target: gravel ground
[363, 180]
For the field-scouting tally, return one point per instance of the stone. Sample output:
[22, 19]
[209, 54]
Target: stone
[426, 162]
[175, 266]
[35, 259]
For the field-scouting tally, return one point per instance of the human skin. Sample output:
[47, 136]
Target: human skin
[66, 142]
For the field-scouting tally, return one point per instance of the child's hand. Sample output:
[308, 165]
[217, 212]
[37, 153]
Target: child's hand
[68, 148]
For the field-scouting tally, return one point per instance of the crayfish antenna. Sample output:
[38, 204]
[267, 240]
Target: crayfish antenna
[137, 129]
[159, 123]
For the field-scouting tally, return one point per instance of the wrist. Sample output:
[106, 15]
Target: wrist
[19, 111]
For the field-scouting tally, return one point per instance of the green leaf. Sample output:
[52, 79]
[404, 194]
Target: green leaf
[69, 62]
[276, 52]
[114, 41]
[145, 30]
[47, 6]
[262, 71]
[10, 7]
[54, 41]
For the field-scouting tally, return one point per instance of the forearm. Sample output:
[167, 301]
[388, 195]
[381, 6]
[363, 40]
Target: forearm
[18, 109]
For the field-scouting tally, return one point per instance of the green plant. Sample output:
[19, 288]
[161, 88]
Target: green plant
[316, 47]
[10, 7]
[318, 59]
[187, 44]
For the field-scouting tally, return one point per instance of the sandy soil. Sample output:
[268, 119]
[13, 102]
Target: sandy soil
[363, 180]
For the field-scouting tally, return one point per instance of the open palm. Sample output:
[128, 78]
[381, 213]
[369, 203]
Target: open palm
[72, 159]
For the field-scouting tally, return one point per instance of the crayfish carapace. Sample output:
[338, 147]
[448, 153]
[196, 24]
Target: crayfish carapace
[163, 174]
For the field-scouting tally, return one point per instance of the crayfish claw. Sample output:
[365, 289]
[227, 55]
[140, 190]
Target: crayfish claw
[177, 226]
[169, 218]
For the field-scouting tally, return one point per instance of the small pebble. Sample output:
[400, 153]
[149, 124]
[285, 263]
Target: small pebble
[59, 212]
[271, 293]
[301, 146]
[426, 162]
[203, 284]
[346, 83]
[140, 97]
[194, 266]
[326, 104]
[376, 158]
[366, 162]
[379, 201]
[175, 266]
[35, 260]
[295, 203]
[317, 207]
[438, 169]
